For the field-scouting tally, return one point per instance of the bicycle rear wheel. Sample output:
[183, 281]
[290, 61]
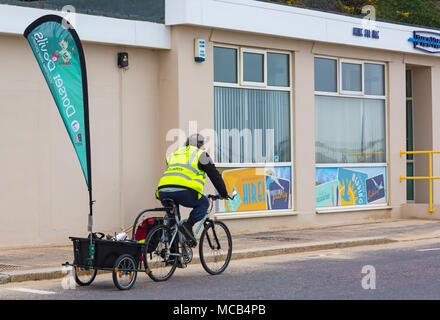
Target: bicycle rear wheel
[215, 248]
[159, 264]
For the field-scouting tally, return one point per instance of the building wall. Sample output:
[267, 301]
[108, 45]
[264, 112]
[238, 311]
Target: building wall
[195, 88]
[136, 116]
[43, 195]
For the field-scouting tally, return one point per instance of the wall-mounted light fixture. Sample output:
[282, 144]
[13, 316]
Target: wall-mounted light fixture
[199, 50]
[122, 59]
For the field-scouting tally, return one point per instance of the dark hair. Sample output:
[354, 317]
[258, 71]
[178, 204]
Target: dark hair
[196, 140]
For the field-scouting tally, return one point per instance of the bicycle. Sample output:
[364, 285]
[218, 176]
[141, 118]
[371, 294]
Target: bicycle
[167, 248]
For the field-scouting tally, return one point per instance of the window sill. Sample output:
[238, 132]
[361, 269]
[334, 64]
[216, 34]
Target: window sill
[353, 208]
[252, 165]
[244, 215]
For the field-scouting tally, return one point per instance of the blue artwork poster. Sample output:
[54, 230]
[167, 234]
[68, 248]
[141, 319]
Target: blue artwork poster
[277, 193]
[350, 186]
[375, 188]
[327, 194]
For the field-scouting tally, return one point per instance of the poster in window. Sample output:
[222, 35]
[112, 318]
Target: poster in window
[350, 186]
[259, 189]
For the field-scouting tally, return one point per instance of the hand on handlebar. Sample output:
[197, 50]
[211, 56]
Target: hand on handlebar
[219, 197]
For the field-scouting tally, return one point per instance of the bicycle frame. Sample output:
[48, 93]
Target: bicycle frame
[175, 231]
[204, 222]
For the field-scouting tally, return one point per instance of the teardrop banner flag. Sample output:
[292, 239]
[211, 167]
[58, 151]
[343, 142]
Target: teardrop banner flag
[60, 55]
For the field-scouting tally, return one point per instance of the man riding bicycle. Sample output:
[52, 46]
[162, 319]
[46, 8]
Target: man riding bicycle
[184, 179]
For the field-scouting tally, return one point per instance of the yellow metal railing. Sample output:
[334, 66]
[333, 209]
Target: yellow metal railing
[362, 156]
[430, 177]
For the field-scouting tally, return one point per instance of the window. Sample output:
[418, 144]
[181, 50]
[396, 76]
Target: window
[350, 124]
[252, 126]
[225, 65]
[374, 79]
[351, 77]
[326, 75]
[278, 69]
[350, 132]
[252, 121]
[253, 67]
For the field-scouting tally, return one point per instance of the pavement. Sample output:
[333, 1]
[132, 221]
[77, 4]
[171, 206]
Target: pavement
[19, 264]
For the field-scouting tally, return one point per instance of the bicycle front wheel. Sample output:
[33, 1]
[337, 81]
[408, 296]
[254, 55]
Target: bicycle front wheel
[160, 264]
[215, 248]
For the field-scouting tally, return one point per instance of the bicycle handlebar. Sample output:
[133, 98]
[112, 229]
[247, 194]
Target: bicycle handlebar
[215, 197]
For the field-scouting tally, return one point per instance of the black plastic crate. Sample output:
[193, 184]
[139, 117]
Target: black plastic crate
[106, 251]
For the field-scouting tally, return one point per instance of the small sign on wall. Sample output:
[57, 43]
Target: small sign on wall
[199, 50]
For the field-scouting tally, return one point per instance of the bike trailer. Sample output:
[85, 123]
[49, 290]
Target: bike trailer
[105, 252]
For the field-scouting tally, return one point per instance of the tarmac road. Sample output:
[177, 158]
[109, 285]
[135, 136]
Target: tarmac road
[402, 270]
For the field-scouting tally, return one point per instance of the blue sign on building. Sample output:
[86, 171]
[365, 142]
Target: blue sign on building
[426, 41]
[366, 33]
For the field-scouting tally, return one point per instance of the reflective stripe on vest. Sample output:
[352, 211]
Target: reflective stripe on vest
[182, 170]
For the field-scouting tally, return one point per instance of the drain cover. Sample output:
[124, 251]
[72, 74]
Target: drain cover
[9, 267]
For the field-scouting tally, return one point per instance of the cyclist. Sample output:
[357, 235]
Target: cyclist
[184, 179]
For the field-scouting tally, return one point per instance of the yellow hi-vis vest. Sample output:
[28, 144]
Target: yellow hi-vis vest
[183, 170]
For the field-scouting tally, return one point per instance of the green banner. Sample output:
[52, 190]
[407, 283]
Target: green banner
[60, 56]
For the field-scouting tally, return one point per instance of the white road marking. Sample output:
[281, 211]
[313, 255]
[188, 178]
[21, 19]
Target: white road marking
[31, 290]
[431, 249]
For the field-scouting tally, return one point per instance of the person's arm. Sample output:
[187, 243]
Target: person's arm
[206, 164]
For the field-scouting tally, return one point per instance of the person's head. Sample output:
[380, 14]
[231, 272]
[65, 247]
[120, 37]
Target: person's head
[196, 140]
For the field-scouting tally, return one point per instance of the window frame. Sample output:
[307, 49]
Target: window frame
[341, 93]
[385, 80]
[288, 88]
[289, 59]
[411, 161]
[252, 83]
[247, 85]
[229, 84]
[353, 94]
[330, 93]
[348, 92]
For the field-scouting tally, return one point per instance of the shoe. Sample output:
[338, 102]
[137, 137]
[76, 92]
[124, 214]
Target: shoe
[186, 229]
[180, 263]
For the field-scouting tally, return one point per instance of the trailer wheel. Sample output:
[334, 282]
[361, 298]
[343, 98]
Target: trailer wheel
[84, 276]
[124, 272]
